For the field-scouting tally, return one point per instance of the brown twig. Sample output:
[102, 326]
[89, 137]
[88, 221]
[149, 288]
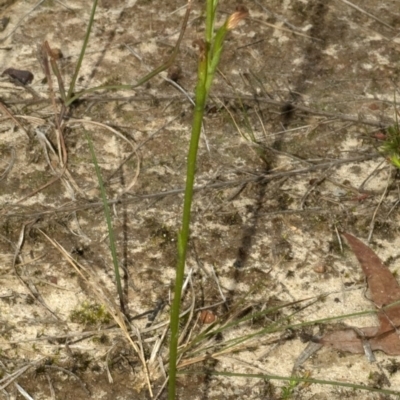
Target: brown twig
[9, 113]
[219, 185]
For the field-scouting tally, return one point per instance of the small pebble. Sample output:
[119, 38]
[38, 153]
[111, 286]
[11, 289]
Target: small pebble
[3, 23]
[207, 317]
[24, 77]
[319, 269]
[56, 54]
[175, 73]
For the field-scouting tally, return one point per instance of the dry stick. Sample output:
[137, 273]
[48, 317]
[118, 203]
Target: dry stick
[392, 208]
[42, 139]
[279, 28]
[218, 285]
[219, 185]
[108, 363]
[20, 21]
[139, 146]
[52, 392]
[90, 279]
[87, 334]
[161, 389]
[374, 172]
[9, 166]
[372, 224]
[279, 18]
[135, 149]
[27, 14]
[43, 186]
[61, 144]
[31, 288]
[36, 120]
[56, 72]
[266, 100]
[171, 59]
[9, 113]
[189, 319]
[338, 116]
[339, 239]
[313, 187]
[157, 346]
[45, 53]
[12, 377]
[367, 13]
[66, 371]
[47, 144]
[19, 388]
[23, 392]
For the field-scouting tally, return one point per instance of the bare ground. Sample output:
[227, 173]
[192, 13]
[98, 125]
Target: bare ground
[313, 82]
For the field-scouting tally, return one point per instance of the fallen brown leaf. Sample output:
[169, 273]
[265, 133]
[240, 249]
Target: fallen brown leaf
[384, 290]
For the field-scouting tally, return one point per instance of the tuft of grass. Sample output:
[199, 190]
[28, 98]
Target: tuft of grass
[391, 145]
[90, 314]
[289, 389]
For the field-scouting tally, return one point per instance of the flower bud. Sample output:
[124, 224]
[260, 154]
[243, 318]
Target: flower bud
[233, 21]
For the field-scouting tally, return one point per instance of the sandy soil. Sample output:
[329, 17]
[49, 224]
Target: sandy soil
[312, 82]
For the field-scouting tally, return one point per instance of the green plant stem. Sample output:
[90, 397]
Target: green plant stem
[83, 50]
[183, 237]
[210, 16]
[209, 56]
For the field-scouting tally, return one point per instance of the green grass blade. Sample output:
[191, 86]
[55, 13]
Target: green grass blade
[83, 50]
[107, 214]
[150, 75]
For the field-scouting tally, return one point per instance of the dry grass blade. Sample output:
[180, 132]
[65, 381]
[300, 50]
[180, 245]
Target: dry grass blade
[66, 371]
[183, 334]
[9, 113]
[10, 378]
[62, 150]
[21, 19]
[114, 310]
[51, 387]
[372, 224]
[56, 72]
[9, 166]
[280, 28]
[367, 13]
[28, 285]
[115, 132]
[45, 145]
[19, 388]
[23, 392]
